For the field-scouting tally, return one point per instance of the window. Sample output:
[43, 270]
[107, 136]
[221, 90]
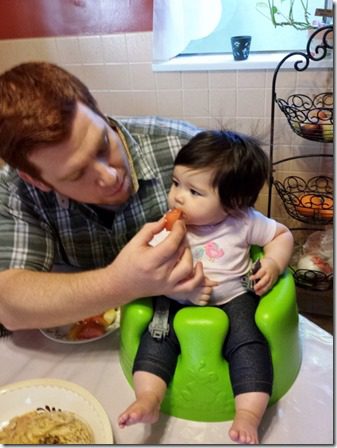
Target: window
[200, 30]
[242, 17]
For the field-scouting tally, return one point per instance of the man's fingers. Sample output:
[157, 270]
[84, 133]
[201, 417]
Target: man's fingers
[148, 231]
[184, 275]
[173, 245]
[185, 278]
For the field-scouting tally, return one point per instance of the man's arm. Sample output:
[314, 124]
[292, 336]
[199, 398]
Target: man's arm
[38, 300]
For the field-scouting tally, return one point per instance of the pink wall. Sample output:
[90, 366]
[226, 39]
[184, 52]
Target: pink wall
[43, 18]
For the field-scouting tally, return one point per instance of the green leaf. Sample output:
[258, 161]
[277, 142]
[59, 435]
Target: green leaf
[262, 5]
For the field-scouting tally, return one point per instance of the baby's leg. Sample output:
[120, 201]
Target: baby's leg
[249, 410]
[251, 370]
[150, 390]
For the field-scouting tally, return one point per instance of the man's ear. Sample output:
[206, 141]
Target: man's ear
[35, 182]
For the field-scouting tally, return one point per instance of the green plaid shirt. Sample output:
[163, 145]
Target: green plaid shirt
[38, 230]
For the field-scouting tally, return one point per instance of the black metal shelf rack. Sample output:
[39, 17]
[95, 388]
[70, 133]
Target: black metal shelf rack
[312, 118]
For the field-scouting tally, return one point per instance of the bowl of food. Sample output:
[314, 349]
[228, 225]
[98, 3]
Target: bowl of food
[47, 411]
[87, 330]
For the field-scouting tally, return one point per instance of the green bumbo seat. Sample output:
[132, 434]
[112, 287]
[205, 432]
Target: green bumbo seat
[201, 389]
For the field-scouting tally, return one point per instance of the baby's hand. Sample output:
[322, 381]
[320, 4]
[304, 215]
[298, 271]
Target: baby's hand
[202, 297]
[266, 276]
[198, 296]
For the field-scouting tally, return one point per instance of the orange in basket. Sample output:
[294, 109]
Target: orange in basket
[312, 204]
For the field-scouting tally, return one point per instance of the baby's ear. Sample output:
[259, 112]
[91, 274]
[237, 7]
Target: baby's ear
[35, 182]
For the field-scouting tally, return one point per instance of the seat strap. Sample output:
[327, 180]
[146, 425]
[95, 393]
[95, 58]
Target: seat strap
[159, 326]
[246, 282]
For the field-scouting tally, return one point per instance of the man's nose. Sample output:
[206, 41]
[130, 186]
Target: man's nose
[107, 175]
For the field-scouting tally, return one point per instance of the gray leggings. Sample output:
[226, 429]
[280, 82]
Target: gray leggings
[245, 348]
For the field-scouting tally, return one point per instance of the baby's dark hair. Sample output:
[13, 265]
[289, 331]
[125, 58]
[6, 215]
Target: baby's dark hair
[240, 165]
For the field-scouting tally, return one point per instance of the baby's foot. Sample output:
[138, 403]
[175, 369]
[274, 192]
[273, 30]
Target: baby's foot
[144, 410]
[244, 428]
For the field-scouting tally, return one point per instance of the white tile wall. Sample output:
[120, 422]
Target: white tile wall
[114, 48]
[117, 68]
[68, 50]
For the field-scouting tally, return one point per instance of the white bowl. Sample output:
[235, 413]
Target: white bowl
[60, 334]
[25, 396]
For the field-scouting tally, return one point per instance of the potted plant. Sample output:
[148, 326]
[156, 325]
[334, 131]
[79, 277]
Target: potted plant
[281, 13]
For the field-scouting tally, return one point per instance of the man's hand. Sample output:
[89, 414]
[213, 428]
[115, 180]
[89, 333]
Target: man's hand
[165, 269]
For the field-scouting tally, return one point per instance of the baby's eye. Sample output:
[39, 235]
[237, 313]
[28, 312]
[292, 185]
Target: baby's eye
[175, 182]
[195, 193]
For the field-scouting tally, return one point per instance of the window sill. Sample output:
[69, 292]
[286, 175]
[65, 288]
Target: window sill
[256, 61]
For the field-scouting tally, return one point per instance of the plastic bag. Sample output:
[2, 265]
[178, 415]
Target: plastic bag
[318, 252]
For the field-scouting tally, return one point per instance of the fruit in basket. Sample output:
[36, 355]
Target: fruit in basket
[311, 130]
[326, 125]
[315, 205]
[327, 130]
[307, 206]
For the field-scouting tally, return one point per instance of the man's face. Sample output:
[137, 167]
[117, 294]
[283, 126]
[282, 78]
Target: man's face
[91, 166]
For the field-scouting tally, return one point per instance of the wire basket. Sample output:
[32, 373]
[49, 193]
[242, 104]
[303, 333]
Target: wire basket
[310, 118]
[313, 280]
[312, 249]
[309, 201]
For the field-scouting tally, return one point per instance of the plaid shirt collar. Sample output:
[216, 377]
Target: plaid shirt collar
[133, 150]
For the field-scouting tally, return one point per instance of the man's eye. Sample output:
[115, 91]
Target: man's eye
[105, 147]
[77, 176]
[104, 150]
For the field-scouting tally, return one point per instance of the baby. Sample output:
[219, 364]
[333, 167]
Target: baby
[216, 180]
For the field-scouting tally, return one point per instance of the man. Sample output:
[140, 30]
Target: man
[75, 190]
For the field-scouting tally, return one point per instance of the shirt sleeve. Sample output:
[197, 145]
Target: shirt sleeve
[24, 243]
[261, 229]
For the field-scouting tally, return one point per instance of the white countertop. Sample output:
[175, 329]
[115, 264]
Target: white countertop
[303, 416]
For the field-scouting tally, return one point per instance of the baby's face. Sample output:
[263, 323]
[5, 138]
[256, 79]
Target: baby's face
[193, 193]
